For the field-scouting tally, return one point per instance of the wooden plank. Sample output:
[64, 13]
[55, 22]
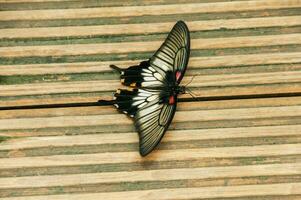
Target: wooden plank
[182, 106]
[126, 47]
[94, 97]
[162, 155]
[201, 81]
[188, 116]
[152, 175]
[184, 193]
[194, 63]
[180, 135]
[60, 52]
[68, 31]
[147, 10]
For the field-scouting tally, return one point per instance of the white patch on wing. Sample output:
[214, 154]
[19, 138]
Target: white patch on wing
[152, 98]
[139, 98]
[143, 93]
[141, 105]
[149, 110]
[149, 78]
[158, 76]
[146, 74]
[152, 69]
[165, 57]
[163, 65]
[151, 83]
[137, 102]
[147, 71]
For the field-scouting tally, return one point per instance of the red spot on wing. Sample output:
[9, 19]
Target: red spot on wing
[171, 100]
[178, 75]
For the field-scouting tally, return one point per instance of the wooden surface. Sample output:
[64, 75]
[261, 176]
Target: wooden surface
[243, 145]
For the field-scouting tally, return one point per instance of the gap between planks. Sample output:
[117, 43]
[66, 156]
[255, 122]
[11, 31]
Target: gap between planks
[181, 116]
[200, 81]
[181, 106]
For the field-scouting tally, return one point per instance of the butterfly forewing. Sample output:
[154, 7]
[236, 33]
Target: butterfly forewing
[173, 54]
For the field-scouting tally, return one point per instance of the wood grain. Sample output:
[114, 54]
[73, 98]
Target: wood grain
[127, 47]
[152, 27]
[152, 175]
[163, 155]
[195, 63]
[186, 193]
[183, 135]
[147, 10]
[59, 52]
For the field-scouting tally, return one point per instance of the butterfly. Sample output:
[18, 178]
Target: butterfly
[151, 97]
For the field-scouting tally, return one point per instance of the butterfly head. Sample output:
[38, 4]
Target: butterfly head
[181, 90]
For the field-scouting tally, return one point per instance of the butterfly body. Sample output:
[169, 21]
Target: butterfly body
[153, 88]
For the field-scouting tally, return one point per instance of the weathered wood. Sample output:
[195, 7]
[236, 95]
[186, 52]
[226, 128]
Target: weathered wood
[163, 155]
[182, 135]
[151, 27]
[59, 52]
[128, 47]
[107, 85]
[185, 193]
[181, 116]
[148, 10]
[195, 63]
[152, 175]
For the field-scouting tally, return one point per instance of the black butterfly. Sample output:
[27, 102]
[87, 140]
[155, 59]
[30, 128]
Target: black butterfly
[151, 98]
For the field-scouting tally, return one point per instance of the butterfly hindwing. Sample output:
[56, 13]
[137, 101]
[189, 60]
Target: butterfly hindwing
[151, 123]
[152, 112]
[129, 101]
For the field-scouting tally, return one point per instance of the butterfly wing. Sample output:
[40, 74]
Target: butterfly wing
[152, 114]
[153, 102]
[172, 57]
[130, 101]
[151, 122]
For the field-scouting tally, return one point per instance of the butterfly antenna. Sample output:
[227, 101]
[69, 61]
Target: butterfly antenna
[193, 95]
[190, 80]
